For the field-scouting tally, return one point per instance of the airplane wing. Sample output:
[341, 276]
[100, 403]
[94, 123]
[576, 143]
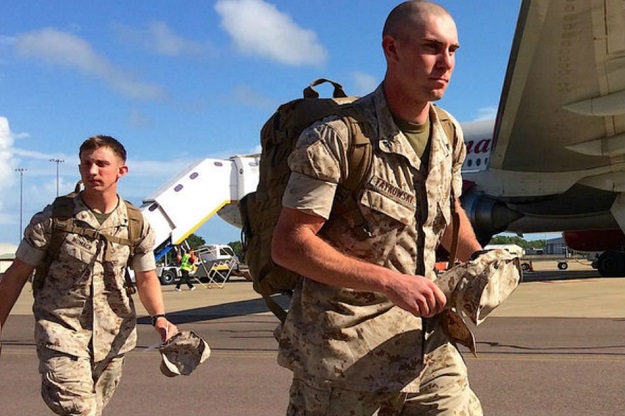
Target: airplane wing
[558, 156]
[563, 103]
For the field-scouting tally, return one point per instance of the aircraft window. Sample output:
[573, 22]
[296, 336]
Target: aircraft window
[194, 175]
[486, 161]
[218, 163]
[469, 162]
[478, 162]
[178, 187]
[153, 207]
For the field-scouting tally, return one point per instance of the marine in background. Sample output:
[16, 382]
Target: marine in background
[85, 319]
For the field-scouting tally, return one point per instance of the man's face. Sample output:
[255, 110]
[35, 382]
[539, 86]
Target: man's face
[426, 58]
[100, 169]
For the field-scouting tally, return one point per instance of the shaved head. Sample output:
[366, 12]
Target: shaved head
[419, 41]
[408, 14]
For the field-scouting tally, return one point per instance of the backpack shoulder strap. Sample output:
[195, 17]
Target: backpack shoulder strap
[360, 155]
[135, 224]
[62, 213]
[360, 159]
[452, 137]
[135, 229]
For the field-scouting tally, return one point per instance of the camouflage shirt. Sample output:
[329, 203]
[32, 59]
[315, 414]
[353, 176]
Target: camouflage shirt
[82, 308]
[360, 339]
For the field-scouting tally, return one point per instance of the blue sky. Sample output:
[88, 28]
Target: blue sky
[181, 81]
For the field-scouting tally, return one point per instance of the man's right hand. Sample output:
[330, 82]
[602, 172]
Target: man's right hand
[417, 295]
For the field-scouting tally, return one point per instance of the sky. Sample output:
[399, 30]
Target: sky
[177, 82]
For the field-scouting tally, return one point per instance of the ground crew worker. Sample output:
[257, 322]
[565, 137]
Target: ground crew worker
[85, 319]
[186, 265]
[364, 334]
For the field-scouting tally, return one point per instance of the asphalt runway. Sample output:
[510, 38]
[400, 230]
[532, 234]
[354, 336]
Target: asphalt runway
[555, 348]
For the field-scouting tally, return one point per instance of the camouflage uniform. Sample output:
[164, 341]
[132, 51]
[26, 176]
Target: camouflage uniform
[342, 340]
[85, 321]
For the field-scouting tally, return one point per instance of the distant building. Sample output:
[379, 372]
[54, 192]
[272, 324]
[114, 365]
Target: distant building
[7, 255]
[512, 248]
[556, 246]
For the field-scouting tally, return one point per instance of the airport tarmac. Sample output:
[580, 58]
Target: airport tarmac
[556, 347]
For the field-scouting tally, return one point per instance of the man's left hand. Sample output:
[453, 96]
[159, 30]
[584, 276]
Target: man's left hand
[165, 328]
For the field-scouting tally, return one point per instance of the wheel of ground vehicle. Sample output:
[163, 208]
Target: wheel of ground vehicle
[168, 277]
[525, 267]
[611, 264]
[562, 265]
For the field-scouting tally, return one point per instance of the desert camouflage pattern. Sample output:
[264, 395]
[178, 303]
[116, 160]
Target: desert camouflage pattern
[68, 386]
[360, 340]
[182, 353]
[474, 289]
[82, 309]
[477, 287]
[444, 391]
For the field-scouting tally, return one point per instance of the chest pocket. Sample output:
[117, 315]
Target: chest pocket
[77, 249]
[385, 211]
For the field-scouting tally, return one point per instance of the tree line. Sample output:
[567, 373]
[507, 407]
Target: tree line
[519, 241]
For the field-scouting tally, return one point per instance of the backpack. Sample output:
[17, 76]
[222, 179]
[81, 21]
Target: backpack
[260, 210]
[63, 223]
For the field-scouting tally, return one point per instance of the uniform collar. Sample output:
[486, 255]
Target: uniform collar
[392, 140]
[119, 216]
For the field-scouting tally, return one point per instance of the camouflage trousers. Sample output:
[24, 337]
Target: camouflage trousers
[444, 391]
[76, 385]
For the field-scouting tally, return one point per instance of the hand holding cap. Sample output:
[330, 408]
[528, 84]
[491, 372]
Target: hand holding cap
[182, 353]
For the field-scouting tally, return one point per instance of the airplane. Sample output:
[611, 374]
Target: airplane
[557, 159]
[553, 160]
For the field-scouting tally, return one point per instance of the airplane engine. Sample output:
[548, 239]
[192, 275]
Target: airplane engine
[487, 215]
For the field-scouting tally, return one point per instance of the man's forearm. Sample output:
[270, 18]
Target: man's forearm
[150, 294]
[11, 286]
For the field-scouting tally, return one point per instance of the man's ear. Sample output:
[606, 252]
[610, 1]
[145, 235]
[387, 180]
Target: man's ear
[389, 46]
[121, 171]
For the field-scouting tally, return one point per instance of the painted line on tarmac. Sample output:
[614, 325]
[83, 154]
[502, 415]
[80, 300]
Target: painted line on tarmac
[550, 357]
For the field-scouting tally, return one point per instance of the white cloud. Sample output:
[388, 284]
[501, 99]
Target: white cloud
[6, 156]
[365, 83]
[486, 113]
[259, 28]
[159, 39]
[54, 47]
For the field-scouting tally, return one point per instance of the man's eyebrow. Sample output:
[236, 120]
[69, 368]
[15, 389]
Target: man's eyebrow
[453, 46]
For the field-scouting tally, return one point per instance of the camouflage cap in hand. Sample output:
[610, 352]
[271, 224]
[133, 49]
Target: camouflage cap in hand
[478, 286]
[182, 353]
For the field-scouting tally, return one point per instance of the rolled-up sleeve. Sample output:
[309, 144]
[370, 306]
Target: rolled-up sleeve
[32, 249]
[29, 255]
[143, 259]
[309, 195]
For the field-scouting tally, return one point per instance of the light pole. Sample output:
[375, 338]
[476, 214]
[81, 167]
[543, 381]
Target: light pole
[57, 161]
[21, 171]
